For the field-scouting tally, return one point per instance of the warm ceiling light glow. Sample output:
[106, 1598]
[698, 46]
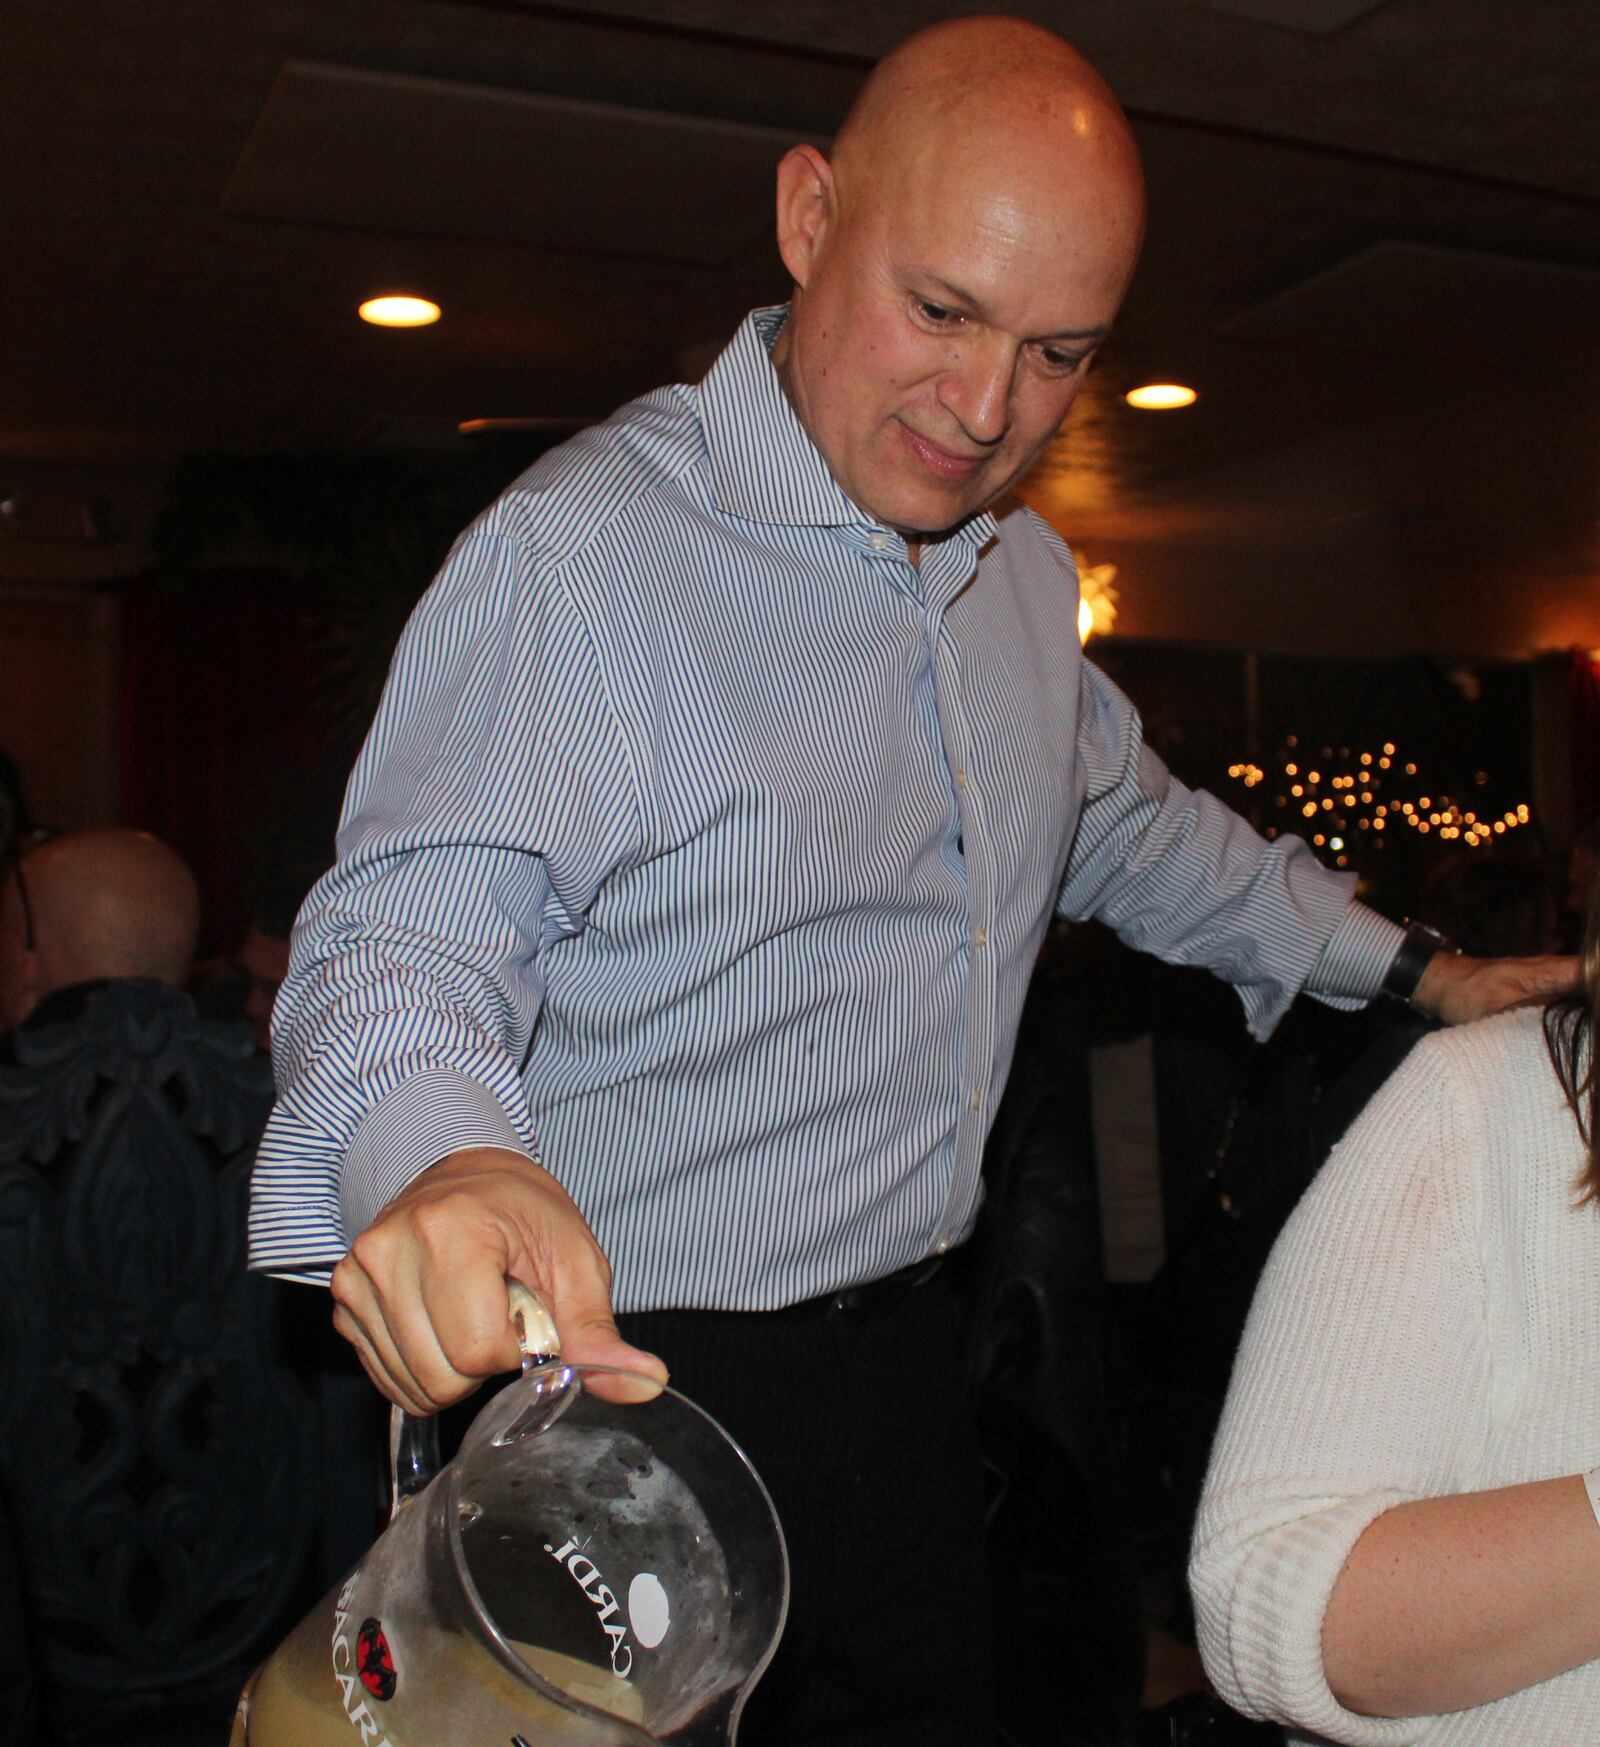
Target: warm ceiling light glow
[1097, 599]
[1161, 396]
[399, 312]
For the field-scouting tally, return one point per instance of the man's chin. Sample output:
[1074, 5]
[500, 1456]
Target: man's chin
[923, 516]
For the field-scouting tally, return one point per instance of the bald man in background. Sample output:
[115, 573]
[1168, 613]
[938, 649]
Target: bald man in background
[88, 907]
[79, 910]
[692, 875]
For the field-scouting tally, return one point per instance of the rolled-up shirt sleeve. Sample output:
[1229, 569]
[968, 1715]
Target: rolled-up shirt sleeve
[492, 799]
[1176, 873]
[1361, 1383]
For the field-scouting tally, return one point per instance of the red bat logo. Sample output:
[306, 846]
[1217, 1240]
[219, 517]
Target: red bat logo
[373, 1662]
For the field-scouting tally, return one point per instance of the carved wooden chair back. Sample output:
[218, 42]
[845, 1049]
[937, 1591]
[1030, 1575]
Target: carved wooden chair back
[156, 1455]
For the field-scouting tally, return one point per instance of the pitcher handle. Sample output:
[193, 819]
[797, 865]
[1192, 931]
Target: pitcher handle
[414, 1441]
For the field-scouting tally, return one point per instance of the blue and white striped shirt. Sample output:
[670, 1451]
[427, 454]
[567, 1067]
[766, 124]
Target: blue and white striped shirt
[702, 846]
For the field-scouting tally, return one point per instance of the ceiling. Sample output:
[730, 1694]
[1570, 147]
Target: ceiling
[1374, 249]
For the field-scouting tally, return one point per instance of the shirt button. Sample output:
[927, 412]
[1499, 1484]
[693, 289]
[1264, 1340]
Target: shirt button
[961, 780]
[981, 938]
[878, 540]
[942, 1248]
[977, 1097]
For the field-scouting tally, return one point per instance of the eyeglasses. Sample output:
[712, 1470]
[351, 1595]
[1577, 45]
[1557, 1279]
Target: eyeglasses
[28, 939]
[24, 902]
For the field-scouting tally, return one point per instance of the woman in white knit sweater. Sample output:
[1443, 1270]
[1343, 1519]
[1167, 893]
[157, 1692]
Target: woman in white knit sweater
[1396, 1542]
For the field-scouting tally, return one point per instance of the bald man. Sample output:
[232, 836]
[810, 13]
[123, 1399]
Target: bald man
[87, 907]
[690, 880]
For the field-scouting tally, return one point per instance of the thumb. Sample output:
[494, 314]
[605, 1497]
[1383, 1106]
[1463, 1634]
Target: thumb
[589, 1336]
[595, 1341]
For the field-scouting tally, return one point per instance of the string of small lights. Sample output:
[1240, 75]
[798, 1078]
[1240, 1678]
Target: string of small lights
[1344, 799]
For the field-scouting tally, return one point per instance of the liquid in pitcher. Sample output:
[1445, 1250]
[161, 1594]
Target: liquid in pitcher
[298, 1698]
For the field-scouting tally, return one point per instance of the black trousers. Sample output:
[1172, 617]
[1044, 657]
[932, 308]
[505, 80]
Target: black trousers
[860, 1425]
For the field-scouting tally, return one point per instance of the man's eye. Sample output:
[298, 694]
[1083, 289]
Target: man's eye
[1058, 362]
[936, 312]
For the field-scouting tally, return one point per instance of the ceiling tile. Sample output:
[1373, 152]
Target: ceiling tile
[340, 146]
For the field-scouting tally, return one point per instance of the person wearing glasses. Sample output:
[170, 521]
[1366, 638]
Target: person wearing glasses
[82, 908]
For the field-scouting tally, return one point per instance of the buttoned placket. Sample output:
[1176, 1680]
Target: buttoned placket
[946, 570]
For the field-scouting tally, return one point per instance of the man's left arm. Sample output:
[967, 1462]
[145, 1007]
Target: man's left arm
[1178, 874]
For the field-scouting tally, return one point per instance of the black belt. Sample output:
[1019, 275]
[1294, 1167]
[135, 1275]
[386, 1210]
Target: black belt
[874, 1298]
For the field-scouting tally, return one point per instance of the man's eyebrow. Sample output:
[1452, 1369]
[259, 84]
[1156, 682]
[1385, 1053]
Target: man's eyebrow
[956, 294]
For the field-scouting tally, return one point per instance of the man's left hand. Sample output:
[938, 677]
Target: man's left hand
[1456, 988]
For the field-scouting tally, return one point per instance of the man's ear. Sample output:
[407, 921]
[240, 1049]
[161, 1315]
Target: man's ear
[805, 209]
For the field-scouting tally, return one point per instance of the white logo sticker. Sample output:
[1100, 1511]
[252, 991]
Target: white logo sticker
[648, 1610]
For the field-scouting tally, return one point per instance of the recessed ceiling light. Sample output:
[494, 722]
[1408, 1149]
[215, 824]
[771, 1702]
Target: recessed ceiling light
[534, 422]
[399, 312]
[1161, 396]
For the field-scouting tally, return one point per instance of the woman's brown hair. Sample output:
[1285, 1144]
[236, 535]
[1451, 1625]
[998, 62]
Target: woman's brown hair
[1569, 1031]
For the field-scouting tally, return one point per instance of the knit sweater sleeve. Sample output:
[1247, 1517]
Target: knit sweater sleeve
[1361, 1383]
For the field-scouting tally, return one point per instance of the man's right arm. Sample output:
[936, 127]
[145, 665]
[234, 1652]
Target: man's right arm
[492, 799]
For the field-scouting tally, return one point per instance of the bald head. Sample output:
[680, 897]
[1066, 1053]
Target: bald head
[995, 97]
[103, 903]
[955, 264]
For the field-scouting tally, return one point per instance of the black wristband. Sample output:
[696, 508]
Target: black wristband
[1416, 953]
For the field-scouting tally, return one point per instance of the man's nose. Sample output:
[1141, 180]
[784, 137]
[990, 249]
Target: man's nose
[977, 387]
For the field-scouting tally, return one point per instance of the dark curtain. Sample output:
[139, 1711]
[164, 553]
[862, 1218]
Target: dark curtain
[222, 745]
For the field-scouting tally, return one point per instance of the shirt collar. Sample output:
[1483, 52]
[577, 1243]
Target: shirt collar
[764, 467]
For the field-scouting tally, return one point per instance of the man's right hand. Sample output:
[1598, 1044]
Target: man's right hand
[422, 1296]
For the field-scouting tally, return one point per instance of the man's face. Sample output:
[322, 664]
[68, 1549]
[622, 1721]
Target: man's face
[265, 961]
[943, 329]
[17, 979]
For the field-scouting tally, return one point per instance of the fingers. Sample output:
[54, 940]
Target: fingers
[422, 1298]
[1458, 989]
[1551, 978]
[383, 1378]
[1500, 983]
[394, 1338]
[461, 1297]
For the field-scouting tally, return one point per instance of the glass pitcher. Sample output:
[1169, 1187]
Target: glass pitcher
[585, 1571]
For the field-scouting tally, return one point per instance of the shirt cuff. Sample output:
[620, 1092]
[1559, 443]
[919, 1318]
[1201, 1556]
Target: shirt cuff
[424, 1119]
[1356, 959]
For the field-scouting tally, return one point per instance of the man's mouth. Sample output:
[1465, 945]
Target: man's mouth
[940, 462]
